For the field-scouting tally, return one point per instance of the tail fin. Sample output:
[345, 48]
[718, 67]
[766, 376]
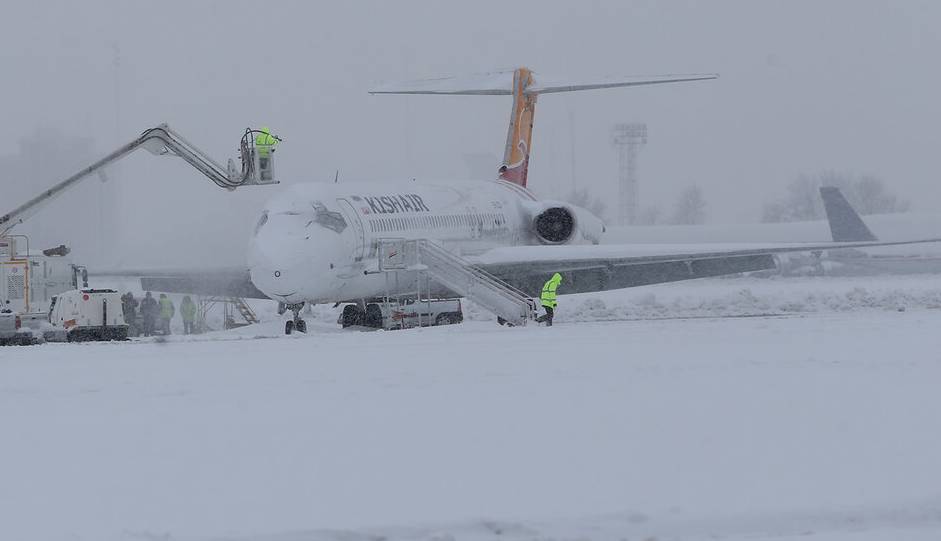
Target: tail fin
[845, 223]
[519, 135]
[522, 85]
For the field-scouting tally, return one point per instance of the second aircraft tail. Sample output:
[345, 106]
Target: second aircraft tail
[845, 223]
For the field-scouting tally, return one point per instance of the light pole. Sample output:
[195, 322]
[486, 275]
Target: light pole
[628, 138]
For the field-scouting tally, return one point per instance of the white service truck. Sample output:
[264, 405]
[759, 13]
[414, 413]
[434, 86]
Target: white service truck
[11, 332]
[406, 314]
[89, 314]
[29, 279]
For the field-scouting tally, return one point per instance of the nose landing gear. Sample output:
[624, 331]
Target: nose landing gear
[296, 324]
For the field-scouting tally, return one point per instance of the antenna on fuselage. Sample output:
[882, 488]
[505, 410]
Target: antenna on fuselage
[336, 177]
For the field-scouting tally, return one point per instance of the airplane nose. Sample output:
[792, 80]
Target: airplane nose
[290, 262]
[278, 284]
[277, 256]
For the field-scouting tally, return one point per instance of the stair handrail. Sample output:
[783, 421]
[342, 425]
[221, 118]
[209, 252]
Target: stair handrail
[464, 264]
[454, 263]
[482, 275]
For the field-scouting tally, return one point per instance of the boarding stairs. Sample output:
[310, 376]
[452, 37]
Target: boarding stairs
[230, 305]
[244, 309]
[460, 276]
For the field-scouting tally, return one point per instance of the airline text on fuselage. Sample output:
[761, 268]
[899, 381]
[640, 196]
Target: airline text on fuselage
[391, 204]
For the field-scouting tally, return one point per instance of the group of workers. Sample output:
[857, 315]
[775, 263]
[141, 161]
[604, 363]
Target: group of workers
[154, 315]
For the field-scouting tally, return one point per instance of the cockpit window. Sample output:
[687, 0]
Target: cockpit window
[261, 221]
[328, 218]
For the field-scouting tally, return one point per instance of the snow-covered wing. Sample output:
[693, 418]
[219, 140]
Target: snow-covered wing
[499, 83]
[544, 86]
[225, 282]
[604, 267]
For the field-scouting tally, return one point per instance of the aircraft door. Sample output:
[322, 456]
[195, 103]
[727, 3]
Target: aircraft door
[357, 225]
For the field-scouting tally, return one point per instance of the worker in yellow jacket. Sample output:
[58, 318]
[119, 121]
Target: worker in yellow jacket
[167, 310]
[548, 298]
[265, 143]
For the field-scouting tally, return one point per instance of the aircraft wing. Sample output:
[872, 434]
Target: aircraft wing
[602, 267]
[223, 282]
[584, 268]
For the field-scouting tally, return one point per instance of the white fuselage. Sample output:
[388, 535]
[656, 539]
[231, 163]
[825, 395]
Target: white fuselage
[316, 242]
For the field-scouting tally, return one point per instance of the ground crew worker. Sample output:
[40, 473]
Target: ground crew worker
[148, 313]
[265, 143]
[548, 298]
[188, 312]
[129, 307]
[166, 313]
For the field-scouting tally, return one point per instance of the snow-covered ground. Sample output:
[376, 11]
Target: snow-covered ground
[644, 414]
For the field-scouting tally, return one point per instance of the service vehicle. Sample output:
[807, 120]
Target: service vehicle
[11, 332]
[89, 315]
[29, 279]
[406, 314]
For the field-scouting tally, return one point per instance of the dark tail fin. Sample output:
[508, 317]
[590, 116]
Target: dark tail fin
[845, 223]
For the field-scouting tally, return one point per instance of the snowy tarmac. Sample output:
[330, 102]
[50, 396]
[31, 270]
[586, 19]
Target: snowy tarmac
[819, 425]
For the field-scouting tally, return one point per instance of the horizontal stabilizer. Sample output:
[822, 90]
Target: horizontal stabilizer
[845, 223]
[550, 87]
[501, 84]
[498, 83]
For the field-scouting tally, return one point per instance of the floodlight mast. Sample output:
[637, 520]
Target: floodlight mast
[628, 139]
[255, 169]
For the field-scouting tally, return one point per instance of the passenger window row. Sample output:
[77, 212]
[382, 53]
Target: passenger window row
[488, 220]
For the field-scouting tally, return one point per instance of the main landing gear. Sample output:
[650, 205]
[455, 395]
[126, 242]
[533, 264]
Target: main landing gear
[362, 314]
[296, 324]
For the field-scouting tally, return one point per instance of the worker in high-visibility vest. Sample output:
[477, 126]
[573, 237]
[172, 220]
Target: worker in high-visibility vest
[265, 143]
[167, 310]
[548, 298]
[188, 311]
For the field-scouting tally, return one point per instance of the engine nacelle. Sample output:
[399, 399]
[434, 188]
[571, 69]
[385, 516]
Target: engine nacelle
[555, 222]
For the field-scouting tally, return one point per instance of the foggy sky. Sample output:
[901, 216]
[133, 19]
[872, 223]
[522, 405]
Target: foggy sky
[805, 86]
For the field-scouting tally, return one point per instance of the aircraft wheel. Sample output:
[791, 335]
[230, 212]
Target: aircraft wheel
[288, 327]
[373, 316]
[501, 321]
[301, 326]
[352, 315]
[447, 319]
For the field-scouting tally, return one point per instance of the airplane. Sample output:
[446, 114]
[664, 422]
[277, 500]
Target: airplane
[320, 242]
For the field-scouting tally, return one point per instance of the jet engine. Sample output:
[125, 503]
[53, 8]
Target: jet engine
[554, 222]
